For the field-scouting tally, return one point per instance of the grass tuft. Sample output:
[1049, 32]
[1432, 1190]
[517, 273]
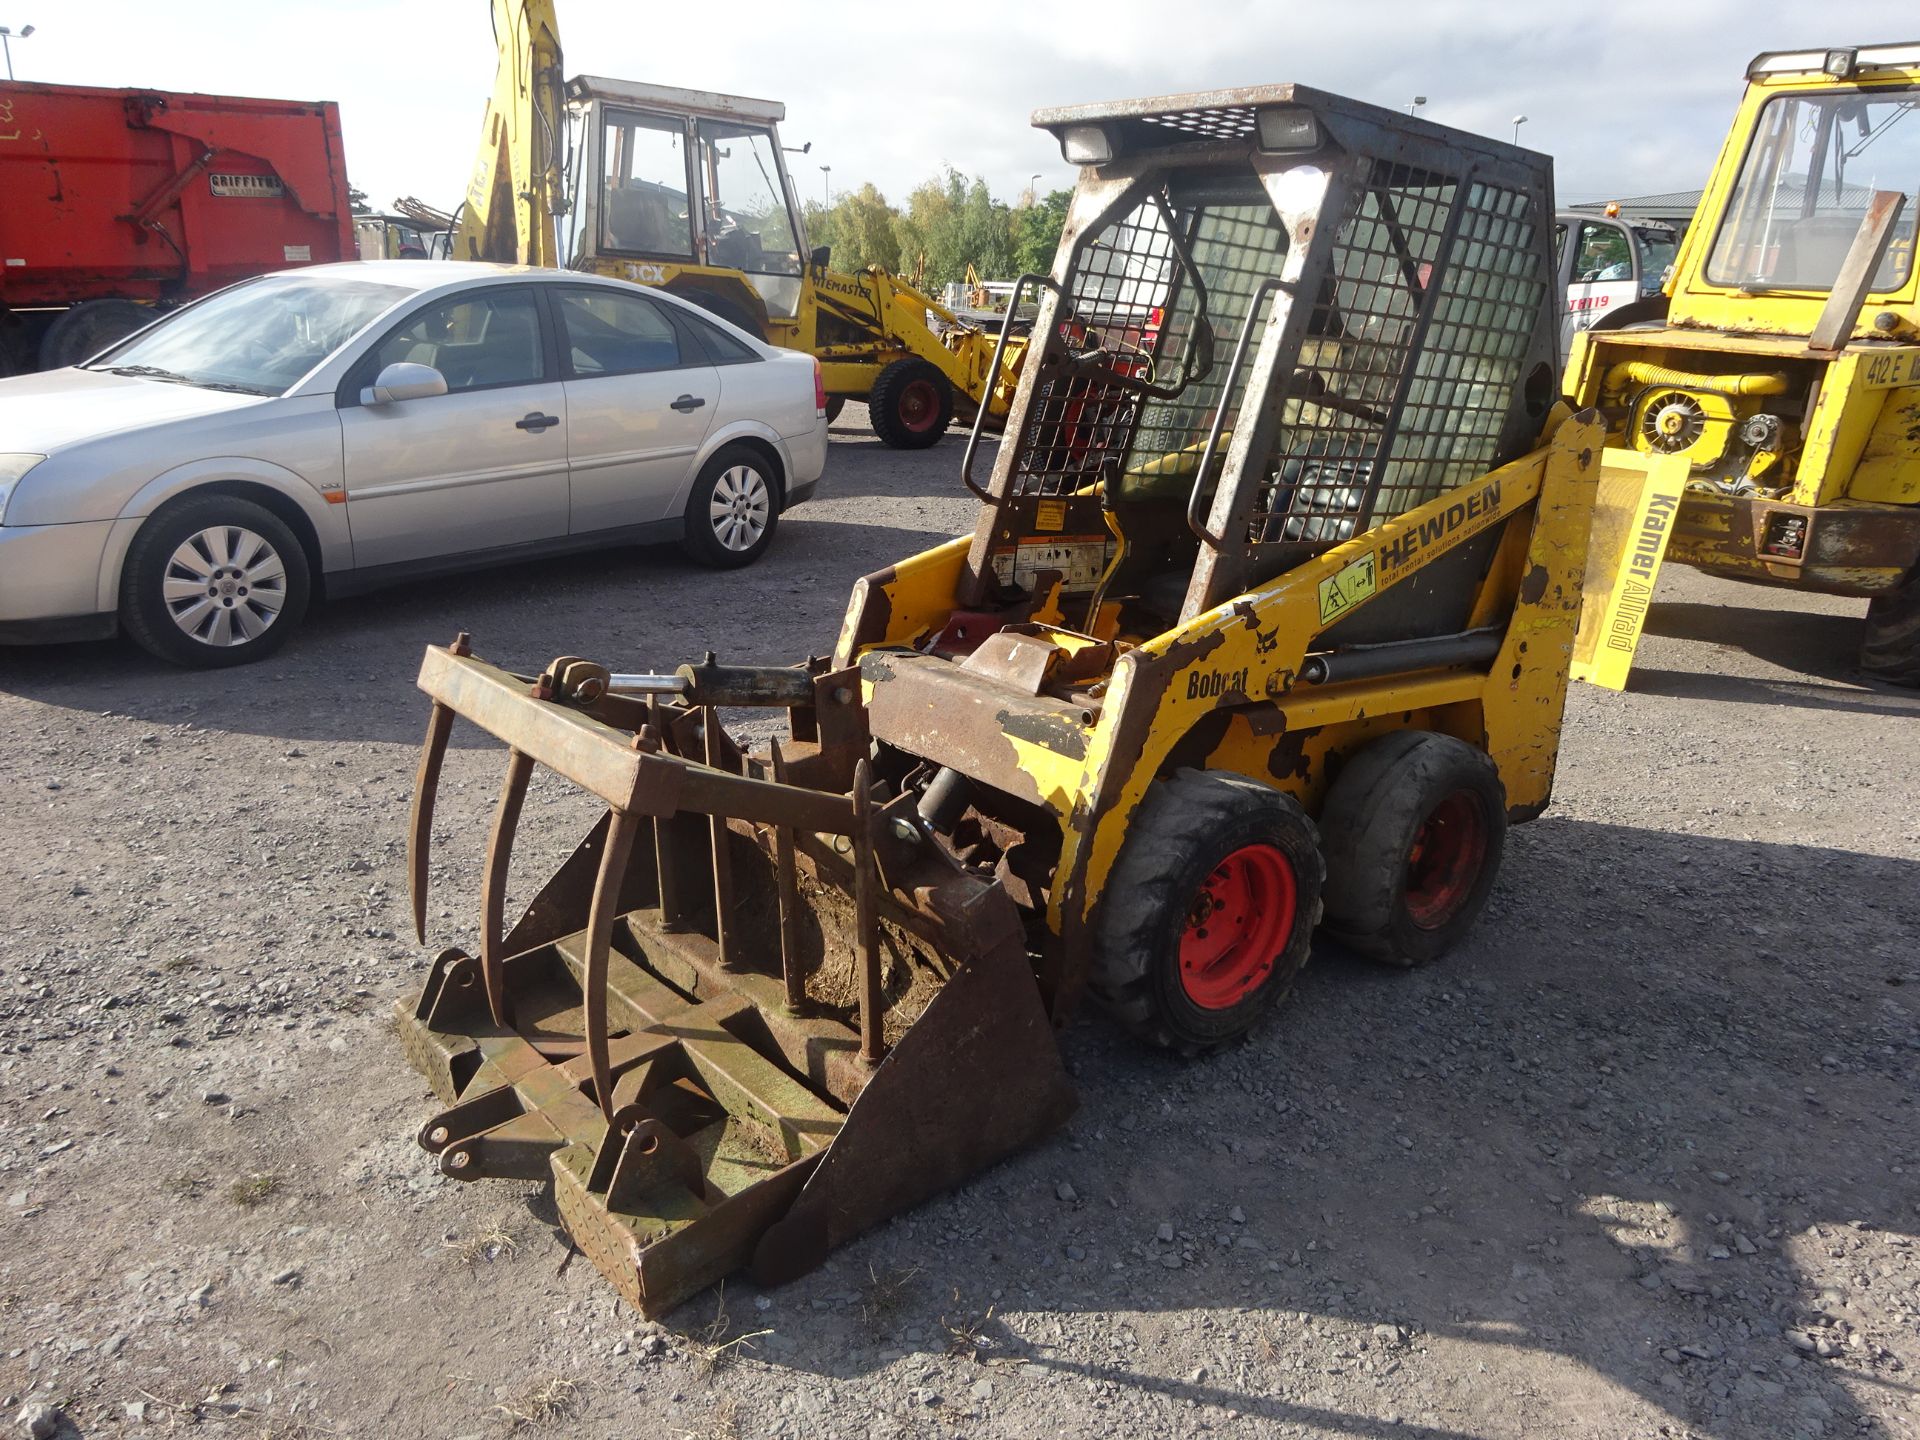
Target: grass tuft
[543, 1403]
[252, 1190]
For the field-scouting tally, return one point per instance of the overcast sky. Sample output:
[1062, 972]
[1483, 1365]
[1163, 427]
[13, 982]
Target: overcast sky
[1630, 97]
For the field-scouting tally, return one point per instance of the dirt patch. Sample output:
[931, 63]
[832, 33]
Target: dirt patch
[1640, 1160]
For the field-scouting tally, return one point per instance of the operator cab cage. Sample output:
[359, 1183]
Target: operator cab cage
[1277, 319]
[643, 150]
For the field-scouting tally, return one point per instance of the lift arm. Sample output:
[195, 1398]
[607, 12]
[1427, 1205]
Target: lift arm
[517, 187]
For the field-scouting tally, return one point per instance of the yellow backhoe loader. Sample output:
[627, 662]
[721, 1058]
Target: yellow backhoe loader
[1263, 629]
[688, 190]
[1767, 404]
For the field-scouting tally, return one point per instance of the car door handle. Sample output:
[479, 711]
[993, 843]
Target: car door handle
[687, 404]
[536, 422]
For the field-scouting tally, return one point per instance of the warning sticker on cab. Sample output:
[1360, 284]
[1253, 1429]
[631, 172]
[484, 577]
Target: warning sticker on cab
[1346, 588]
[1078, 559]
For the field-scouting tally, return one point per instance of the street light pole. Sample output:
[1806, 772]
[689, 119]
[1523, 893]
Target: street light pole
[1518, 121]
[1414, 104]
[826, 186]
[7, 36]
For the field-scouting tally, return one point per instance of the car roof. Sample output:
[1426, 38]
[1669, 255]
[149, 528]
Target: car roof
[422, 275]
[425, 276]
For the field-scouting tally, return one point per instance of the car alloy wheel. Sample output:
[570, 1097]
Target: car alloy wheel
[225, 585]
[739, 508]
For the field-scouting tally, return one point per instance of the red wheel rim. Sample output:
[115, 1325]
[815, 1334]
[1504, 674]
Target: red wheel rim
[1449, 850]
[919, 407]
[1237, 926]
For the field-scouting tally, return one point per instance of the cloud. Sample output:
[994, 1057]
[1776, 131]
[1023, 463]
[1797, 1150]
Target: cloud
[1630, 98]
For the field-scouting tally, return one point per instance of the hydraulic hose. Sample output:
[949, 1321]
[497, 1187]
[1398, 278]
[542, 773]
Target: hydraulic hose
[1643, 372]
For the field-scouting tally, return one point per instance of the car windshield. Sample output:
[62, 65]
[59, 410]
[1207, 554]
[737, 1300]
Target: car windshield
[1814, 163]
[257, 338]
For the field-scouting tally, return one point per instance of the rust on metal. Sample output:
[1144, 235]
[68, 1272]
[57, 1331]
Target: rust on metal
[682, 1025]
[606, 893]
[787, 883]
[717, 756]
[865, 882]
[1850, 287]
[493, 884]
[426, 789]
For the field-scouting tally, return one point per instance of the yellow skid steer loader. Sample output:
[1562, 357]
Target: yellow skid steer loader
[1264, 627]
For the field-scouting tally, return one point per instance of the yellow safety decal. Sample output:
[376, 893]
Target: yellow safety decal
[1050, 515]
[1633, 516]
[1346, 588]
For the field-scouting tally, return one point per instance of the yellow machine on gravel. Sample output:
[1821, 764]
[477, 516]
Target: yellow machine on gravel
[1776, 383]
[1263, 627]
[688, 190]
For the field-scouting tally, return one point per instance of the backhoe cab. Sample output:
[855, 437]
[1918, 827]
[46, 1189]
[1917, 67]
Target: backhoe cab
[688, 190]
[1770, 398]
[1263, 627]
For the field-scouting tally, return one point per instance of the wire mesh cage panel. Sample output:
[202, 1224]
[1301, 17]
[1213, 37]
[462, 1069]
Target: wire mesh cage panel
[1133, 293]
[1234, 249]
[1340, 462]
[1475, 350]
[1079, 424]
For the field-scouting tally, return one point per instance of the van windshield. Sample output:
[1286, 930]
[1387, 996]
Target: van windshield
[1813, 165]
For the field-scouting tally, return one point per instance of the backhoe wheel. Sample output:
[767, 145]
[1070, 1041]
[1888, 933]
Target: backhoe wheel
[1208, 914]
[213, 580]
[733, 509]
[910, 405]
[1413, 829]
[1891, 650]
[835, 404]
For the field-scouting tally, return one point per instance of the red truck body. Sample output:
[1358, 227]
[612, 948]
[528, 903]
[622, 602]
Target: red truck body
[149, 195]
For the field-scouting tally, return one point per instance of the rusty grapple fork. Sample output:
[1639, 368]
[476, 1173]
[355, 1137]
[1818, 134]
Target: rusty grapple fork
[758, 1009]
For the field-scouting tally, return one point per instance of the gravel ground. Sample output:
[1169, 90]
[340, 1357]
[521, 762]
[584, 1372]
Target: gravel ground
[1638, 1161]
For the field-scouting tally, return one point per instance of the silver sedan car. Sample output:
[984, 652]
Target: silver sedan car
[326, 430]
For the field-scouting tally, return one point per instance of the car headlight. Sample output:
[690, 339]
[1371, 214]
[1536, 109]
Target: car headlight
[12, 467]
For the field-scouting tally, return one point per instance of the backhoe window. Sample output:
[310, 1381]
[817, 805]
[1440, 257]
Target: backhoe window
[1813, 164]
[643, 204]
[748, 227]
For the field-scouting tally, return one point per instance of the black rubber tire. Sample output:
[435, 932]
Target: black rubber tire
[1890, 652]
[143, 610]
[700, 540]
[895, 405]
[1374, 812]
[1184, 828]
[835, 404]
[18, 353]
[90, 327]
[726, 310]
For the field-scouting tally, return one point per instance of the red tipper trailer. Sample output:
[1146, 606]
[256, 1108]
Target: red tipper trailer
[115, 201]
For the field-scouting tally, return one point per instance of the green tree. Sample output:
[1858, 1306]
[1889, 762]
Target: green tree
[1036, 232]
[859, 227]
[357, 201]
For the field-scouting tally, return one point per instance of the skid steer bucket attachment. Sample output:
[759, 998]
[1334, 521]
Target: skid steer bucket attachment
[756, 1011]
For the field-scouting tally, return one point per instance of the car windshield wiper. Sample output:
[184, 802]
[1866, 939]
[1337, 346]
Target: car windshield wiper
[149, 372]
[154, 372]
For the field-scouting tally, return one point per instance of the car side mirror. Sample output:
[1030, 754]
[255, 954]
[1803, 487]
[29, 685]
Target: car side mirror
[820, 256]
[404, 380]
